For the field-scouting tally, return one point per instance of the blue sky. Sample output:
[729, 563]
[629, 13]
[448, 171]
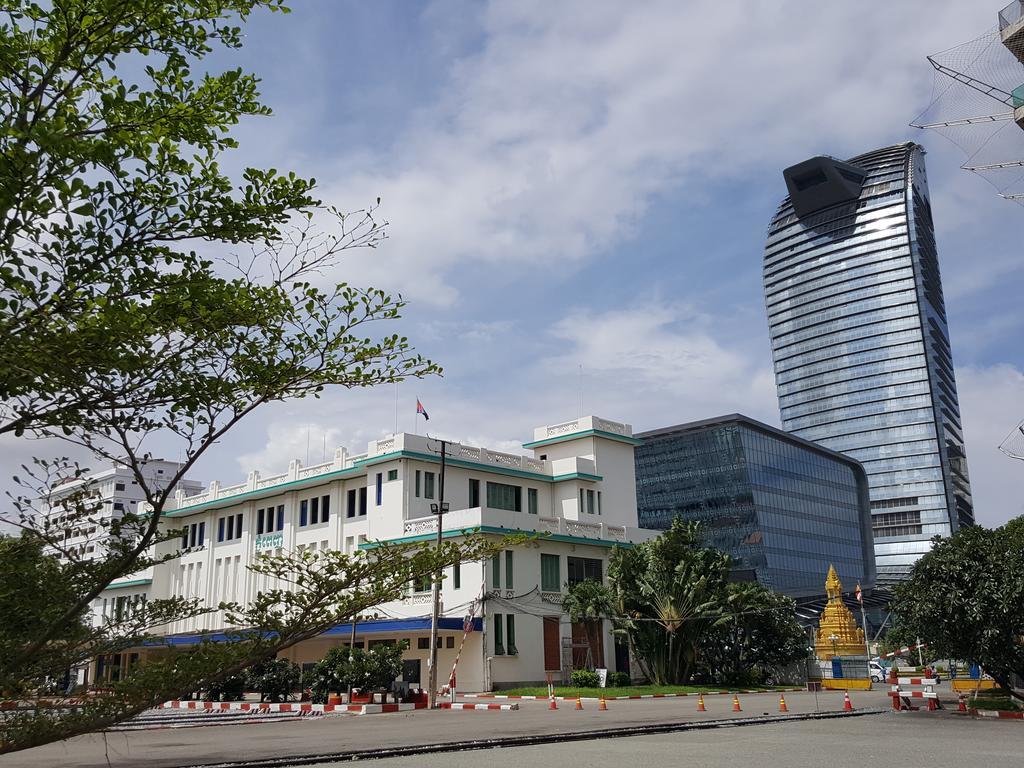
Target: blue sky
[588, 183]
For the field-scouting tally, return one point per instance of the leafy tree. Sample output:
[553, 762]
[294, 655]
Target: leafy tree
[318, 590]
[377, 668]
[588, 602]
[274, 679]
[145, 295]
[669, 593]
[965, 599]
[759, 635]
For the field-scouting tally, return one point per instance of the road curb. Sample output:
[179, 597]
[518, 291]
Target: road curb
[527, 740]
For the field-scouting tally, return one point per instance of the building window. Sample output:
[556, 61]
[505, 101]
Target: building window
[314, 510]
[421, 584]
[118, 486]
[349, 544]
[531, 500]
[380, 488]
[119, 506]
[392, 475]
[499, 642]
[501, 496]
[583, 568]
[238, 525]
[303, 513]
[457, 576]
[202, 533]
[496, 571]
[428, 485]
[599, 502]
[449, 642]
[325, 509]
[474, 493]
[508, 569]
[581, 501]
[362, 501]
[550, 573]
[423, 643]
[417, 483]
[220, 529]
[510, 634]
[280, 517]
[192, 535]
[591, 502]
[350, 511]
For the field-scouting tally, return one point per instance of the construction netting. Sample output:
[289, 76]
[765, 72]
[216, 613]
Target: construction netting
[976, 87]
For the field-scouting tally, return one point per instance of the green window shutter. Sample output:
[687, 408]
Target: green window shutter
[499, 643]
[457, 576]
[417, 483]
[508, 569]
[502, 496]
[550, 576]
[510, 634]
[531, 500]
[496, 571]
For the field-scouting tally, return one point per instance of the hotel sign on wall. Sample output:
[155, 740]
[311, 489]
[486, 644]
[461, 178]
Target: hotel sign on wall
[268, 542]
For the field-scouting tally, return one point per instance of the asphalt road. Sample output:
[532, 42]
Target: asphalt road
[172, 748]
[907, 739]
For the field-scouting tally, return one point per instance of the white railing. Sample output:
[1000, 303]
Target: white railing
[418, 598]
[419, 525]
[614, 427]
[232, 490]
[386, 445]
[552, 597]
[617, 532]
[587, 530]
[266, 482]
[316, 469]
[565, 428]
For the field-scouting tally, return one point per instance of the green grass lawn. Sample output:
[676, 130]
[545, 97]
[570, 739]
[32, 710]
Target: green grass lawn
[635, 690]
[993, 700]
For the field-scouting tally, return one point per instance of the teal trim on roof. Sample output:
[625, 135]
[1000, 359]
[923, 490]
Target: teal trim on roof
[584, 433]
[467, 464]
[420, 537]
[358, 469]
[270, 490]
[123, 584]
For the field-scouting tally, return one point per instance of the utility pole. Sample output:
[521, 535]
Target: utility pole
[438, 510]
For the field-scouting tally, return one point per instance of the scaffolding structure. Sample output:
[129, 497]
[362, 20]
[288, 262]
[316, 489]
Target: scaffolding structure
[978, 102]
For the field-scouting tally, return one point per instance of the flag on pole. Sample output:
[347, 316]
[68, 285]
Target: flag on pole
[859, 595]
[420, 409]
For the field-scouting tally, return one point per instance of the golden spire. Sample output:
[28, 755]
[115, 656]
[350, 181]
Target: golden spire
[838, 633]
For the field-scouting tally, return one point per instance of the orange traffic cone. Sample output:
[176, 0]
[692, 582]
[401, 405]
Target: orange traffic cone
[579, 704]
[603, 706]
[847, 704]
[736, 703]
[700, 703]
[782, 704]
[551, 703]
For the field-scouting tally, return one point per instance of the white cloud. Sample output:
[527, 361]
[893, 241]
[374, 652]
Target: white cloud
[553, 137]
[991, 404]
[659, 365]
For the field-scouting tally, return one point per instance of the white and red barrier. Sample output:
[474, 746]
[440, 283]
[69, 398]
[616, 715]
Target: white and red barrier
[252, 706]
[902, 698]
[479, 707]
[902, 651]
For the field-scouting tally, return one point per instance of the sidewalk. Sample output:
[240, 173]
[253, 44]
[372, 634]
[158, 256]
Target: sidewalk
[330, 735]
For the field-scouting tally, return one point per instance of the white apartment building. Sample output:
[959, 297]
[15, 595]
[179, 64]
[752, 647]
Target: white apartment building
[577, 487]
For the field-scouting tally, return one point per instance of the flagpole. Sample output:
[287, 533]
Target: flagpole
[864, 623]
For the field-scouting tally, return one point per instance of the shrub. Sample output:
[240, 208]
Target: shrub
[231, 688]
[342, 667]
[585, 678]
[275, 679]
[618, 680]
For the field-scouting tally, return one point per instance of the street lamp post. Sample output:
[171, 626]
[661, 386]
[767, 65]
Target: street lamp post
[438, 510]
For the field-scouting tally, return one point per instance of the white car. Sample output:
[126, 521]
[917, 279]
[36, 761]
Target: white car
[877, 671]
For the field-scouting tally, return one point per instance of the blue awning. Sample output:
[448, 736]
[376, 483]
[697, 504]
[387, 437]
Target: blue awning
[377, 627]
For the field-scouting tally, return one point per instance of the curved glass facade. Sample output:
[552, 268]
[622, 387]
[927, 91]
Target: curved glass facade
[860, 342]
[782, 508]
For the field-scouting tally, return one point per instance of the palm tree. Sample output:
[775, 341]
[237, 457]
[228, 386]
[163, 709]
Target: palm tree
[588, 602]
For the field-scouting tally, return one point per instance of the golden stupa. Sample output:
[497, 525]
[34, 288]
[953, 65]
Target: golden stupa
[838, 633]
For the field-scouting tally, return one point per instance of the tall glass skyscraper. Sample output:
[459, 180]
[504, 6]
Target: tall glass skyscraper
[859, 339]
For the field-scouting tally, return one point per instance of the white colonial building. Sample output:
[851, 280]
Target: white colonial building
[578, 487]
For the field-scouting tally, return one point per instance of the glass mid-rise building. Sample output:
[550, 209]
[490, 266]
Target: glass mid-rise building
[783, 508]
[860, 343]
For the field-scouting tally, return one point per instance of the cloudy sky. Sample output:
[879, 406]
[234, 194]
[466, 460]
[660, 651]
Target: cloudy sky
[579, 193]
